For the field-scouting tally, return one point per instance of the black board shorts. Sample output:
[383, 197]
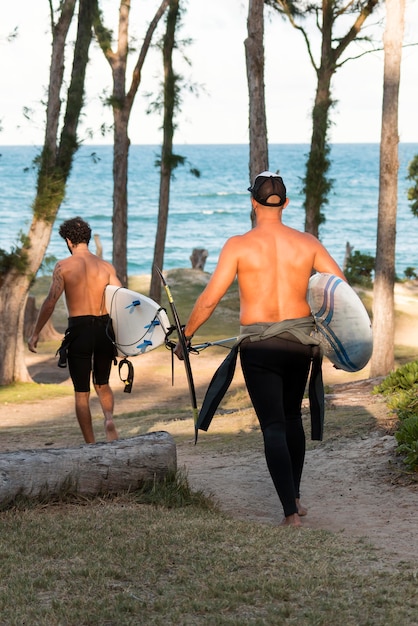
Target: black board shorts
[90, 349]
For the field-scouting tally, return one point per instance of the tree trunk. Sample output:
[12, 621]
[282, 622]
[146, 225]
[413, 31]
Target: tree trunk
[88, 470]
[254, 55]
[168, 160]
[122, 105]
[12, 303]
[316, 183]
[161, 234]
[383, 358]
[54, 169]
[120, 196]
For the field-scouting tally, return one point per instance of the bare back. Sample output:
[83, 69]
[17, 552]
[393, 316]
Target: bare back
[274, 264]
[85, 277]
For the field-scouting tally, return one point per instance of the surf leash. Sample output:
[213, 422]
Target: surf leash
[221, 342]
[184, 347]
[128, 381]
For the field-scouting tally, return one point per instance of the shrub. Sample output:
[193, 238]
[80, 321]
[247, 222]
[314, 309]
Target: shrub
[410, 273]
[407, 438]
[401, 388]
[359, 268]
[404, 377]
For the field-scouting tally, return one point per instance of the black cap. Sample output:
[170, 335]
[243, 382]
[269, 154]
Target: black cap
[268, 184]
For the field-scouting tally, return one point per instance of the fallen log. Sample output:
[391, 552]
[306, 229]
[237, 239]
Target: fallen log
[87, 470]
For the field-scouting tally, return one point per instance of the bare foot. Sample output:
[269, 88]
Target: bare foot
[110, 430]
[292, 520]
[301, 509]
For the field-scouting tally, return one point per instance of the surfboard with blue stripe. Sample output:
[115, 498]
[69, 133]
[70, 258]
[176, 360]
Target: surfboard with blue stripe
[342, 322]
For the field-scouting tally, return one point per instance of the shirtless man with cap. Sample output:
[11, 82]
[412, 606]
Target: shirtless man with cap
[273, 264]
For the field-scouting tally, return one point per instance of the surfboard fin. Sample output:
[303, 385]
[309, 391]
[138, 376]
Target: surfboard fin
[153, 323]
[144, 344]
[133, 304]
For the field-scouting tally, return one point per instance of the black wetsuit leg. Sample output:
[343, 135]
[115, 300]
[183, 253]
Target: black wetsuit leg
[276, 372]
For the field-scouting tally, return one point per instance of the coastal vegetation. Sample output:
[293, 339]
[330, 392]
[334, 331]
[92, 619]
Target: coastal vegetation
[401, 391]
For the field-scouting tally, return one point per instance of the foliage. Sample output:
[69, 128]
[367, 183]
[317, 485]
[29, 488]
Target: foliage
[174, 160]
[403, 378]
[401, 388]
[410, 273]
[317, 185]
[16, 259]
[359, 269]
[50, 194]
[47, 265]
[413, 191]
[407, 438]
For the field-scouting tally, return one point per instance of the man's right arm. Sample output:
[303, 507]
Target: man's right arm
[221, 279]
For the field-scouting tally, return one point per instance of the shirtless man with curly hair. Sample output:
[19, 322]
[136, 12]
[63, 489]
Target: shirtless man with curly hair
[83, 277]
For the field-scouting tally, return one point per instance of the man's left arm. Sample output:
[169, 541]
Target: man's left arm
[48, 306]
[324, 262]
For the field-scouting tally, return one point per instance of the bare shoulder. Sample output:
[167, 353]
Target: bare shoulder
[235, 239]
[62, 264]
[106, 264]
[311, 242]
[231, 245]
[111, 273]
[307, 238]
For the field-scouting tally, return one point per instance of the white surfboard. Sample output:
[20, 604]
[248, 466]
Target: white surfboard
[343, 324]
[140, 324]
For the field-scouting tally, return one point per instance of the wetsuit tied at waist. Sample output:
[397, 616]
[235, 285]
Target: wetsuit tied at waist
[302, 330]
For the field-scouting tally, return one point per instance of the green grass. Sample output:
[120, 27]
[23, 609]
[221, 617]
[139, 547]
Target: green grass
[119, 563]
[31, 392]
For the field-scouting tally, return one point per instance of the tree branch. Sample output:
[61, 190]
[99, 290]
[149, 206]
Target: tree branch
[356, 27]
[136, 75]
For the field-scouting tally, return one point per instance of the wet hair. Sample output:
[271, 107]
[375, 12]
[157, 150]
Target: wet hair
[76, 230]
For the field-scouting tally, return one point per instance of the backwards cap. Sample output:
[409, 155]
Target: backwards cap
[268, 184]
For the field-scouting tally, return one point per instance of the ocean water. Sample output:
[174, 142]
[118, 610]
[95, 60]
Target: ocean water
[205, 211]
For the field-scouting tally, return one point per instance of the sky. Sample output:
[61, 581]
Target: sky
[219, 114]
